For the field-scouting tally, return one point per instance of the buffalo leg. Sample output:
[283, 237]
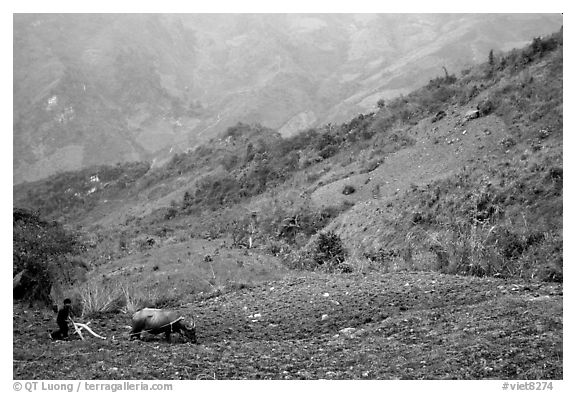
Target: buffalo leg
[168, 336]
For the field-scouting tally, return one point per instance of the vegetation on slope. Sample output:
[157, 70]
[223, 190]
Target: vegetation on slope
[496, 219]
[500, 220]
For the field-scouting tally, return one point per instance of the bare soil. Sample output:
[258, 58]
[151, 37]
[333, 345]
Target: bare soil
[398, 326]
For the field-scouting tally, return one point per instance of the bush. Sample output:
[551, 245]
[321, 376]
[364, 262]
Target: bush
[327, 145]
[485, 107]
[326, 252]
[329, 251]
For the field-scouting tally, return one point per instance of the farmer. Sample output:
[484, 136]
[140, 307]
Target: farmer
[62, 321]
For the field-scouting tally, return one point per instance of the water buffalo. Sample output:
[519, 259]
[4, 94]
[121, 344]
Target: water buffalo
[156, 321]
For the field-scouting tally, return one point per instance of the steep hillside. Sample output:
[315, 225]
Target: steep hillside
[470, 184]
[461, 176]
[105, 88]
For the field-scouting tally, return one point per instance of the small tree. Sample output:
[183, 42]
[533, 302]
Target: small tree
[491, 58]
[329, 250]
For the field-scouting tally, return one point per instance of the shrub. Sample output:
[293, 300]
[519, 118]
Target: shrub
[486, 107]
[326, 252]
[509, 243]
[468, 251]
[329, 250]
[327, 145]
[499, 250]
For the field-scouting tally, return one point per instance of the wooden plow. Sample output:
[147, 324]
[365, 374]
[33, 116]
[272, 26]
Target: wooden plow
[78, 330]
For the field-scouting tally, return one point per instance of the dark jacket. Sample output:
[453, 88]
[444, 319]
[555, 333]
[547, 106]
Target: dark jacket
[62, 321]
[63, 315]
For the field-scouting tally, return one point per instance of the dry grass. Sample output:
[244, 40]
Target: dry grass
[98, 298]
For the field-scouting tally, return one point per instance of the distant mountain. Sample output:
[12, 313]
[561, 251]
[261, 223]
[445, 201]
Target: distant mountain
[103, 88]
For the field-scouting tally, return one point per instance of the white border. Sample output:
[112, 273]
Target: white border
[300, 6]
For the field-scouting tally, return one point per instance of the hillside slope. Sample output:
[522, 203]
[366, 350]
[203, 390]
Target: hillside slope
[463, 175]
[465, 179]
